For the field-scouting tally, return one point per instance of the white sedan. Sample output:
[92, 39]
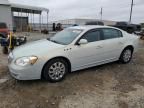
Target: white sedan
[70, 50]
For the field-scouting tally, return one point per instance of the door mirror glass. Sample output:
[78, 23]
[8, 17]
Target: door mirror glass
[83, 41]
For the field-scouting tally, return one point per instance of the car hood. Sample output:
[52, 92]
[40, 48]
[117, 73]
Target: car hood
[36, 48]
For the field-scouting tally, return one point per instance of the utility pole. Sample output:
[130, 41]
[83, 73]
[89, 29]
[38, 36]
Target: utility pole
[101, 13]
[132, 4]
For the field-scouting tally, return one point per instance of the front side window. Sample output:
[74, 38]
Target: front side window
[66, 36]
[109, 33]
[92, 36]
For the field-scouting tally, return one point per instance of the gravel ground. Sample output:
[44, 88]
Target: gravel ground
[113, 85]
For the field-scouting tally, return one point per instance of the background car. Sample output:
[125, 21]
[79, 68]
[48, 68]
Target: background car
[94, 23]
[130, 28]
[70, 50]
[141, 33]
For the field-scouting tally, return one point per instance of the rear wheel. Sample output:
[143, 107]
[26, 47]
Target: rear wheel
[55, 70]
[126, 55]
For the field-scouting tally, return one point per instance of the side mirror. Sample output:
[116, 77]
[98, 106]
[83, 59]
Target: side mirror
[82, 42]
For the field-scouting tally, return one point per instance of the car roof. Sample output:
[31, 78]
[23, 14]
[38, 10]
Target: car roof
[89, 27]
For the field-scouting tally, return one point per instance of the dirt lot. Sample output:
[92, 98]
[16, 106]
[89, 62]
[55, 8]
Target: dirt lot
[112, 85]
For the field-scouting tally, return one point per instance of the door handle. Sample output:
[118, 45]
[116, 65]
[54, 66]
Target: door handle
[98, 47]
[120, 43]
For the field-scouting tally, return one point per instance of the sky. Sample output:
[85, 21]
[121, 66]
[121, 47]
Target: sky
[115, 10]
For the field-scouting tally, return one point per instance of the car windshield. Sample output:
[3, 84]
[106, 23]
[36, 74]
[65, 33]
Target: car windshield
[66, 36]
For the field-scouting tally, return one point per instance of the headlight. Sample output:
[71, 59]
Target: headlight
[24, 61]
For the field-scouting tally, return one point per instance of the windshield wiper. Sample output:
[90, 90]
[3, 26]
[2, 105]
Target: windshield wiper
[55, 41]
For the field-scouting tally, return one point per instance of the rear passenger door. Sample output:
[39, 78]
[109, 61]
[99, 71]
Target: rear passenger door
[112, 43]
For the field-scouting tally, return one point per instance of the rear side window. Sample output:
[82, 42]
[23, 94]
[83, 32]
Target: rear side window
[3, 25]
[92, 36]
[109, 33]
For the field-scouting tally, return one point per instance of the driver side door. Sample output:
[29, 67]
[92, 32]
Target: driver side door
[87, 55]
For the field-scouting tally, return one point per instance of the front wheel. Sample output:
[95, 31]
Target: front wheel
[55, 70]
[5, 50]
[126, 55]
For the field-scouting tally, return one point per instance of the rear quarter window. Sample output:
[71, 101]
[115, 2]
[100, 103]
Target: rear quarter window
[110, 33]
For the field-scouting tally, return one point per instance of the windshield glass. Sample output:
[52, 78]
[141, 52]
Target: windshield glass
[66, 36]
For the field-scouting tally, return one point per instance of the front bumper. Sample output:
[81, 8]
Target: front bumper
[29, 72]
[15, 75]
[24, 73]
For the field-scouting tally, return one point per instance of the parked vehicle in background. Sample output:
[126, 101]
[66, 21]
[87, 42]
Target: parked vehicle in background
[70, 50]
[130, 28]
[59, 27]
[45, 31]
[3, 30]
[94, 23]
[140, 33]
[15, 41]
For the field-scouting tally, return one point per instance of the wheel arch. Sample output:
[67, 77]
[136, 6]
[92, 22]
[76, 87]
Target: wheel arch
[129, 46]
[59, 57]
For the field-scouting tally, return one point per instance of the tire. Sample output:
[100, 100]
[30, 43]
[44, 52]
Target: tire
[126, 55]
[5, 50]
[55, 70]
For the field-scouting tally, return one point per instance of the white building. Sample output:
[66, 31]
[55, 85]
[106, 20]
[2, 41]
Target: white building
[23, 12]
[83, 21]
[5, 13]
